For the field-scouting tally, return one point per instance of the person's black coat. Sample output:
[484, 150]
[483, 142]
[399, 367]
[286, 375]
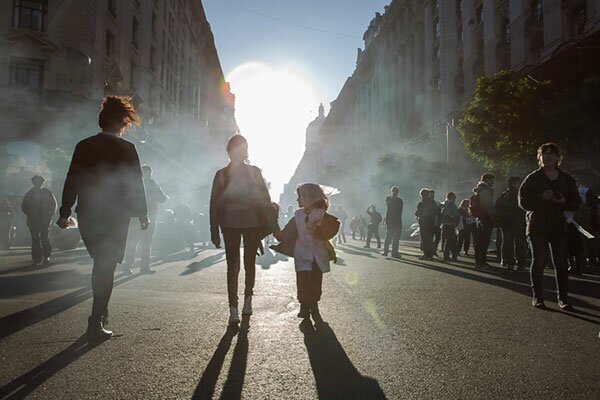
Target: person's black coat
[105, 178]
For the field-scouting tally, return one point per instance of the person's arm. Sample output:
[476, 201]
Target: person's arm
[529, 200]
[72, 184]
[25, 203]
[572, 197]
[215, 196]
[53, 203]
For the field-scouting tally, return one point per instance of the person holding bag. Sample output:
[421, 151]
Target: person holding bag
[238, 206]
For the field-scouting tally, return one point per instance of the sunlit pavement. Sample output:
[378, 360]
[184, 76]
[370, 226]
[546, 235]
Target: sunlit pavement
[395, 329]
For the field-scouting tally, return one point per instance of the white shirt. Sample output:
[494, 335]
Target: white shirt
[308, 248]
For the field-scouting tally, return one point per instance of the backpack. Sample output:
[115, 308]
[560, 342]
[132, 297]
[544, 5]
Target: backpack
[476, 206]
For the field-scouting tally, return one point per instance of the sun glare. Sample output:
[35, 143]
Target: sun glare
[273, 109]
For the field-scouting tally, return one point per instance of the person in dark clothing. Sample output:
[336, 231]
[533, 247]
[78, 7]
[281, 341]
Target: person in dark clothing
[591, 202]
[342, 217]
[468, 227]
[238, 192]
[511, 219]
[393, 221]
[6, 225]
[39, 204]
[143, 239]
[545, 195]
[437, 226]
[373, 227]
[483, 210]
[105, 178]
[426, 215]
[450, 220]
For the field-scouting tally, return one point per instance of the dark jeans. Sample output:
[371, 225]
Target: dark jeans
[373, 231]
[539, 244]
[464, 237]
[233, 238]
[484, 235]
[514, 242]
[40, 244]
[103, 274]
[426, 233]
[449, 237]
[393, 237]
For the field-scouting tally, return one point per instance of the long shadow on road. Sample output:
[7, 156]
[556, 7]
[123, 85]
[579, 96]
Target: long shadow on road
[205, 263]
[237, 370]
[22, 386]
[335, 375]
[520, 283]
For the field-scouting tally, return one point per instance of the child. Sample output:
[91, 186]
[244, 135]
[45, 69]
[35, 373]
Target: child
[450, 220]
[310, 231]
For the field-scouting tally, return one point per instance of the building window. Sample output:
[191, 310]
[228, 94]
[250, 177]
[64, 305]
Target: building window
[27, 72]
[135, 27]
[112, 7]
[436, 28]
[110, 45]
[30, 14]
[459, 33]
[506, 31]
[152, 59]
[154, 23]
[479, 13]
[137, 4]
[459, 12]
[132, 71]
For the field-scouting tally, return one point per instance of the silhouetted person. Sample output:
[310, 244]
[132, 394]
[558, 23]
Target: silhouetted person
[362, 227]
[546, 194]
[437, 225]
[426, 215]
[184, 217]
[450, 220]
[6, 225]
[238, 191]
[143, 240]
[354, 227]
[393, 221]
[373, 227]
[39, 204]
[482, 207]
[591, 203]
[511, 219]
[342, 216]
[105, 178]
[468, 227]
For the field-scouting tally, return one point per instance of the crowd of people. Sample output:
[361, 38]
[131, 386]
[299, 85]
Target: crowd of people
[542, 220]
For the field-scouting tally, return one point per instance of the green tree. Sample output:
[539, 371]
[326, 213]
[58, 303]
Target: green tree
[506, 121]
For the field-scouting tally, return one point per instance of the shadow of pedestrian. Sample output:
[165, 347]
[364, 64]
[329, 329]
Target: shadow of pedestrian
[25, 384]
[205, 263]
[335, 375]
[237, 370]
[15, 322]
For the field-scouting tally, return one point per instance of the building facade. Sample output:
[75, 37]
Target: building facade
[58, 59]
[419, 67]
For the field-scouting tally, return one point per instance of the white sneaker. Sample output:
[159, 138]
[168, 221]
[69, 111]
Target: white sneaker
[247, 310]
[234, 318]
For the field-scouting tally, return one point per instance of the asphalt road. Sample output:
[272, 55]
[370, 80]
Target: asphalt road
[396, 329]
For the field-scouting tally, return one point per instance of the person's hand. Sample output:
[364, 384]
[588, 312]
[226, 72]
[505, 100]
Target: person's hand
[277, 234]
[144, 222]
[216, 240]
[558, 198]
[548, 194]
[62, 223]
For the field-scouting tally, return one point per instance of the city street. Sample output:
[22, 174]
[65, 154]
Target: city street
[396, 329]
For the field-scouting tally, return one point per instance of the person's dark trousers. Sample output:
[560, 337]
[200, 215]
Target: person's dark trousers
[103, 273]
[309, 284]
[514, 244]
[373, 231]
[437, 236]
[449, 237]
[392, 237]
[482, 242]
[40, 244]
[539, 244]
[342, 234]
[464, 237]
[426, 233]
[233, 238]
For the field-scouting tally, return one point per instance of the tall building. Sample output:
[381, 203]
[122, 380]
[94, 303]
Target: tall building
[418, 69]
[58, 59]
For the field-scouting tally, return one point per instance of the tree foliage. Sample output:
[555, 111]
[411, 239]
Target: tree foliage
[505, 122]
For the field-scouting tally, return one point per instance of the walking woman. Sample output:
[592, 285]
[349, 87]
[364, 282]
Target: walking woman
[546, 194]
[105, 178]
[239, 193]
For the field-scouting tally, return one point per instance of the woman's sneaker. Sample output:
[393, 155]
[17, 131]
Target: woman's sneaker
[234, 317]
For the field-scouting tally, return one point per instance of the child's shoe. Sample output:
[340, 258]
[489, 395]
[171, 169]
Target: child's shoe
[316, 315]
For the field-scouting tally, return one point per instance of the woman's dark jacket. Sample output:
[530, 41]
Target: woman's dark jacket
[546, 216]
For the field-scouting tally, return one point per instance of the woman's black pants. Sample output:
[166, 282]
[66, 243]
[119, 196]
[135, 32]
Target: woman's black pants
[233, 238]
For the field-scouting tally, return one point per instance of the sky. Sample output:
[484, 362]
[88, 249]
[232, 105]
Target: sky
[283, 58]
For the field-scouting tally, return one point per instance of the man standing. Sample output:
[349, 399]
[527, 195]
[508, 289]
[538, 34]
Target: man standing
[143, 239]
[6, 225]
[342, 216]
[511, 219]
[393, 221]
[39, 204]
[373, 227]
[482, 207]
